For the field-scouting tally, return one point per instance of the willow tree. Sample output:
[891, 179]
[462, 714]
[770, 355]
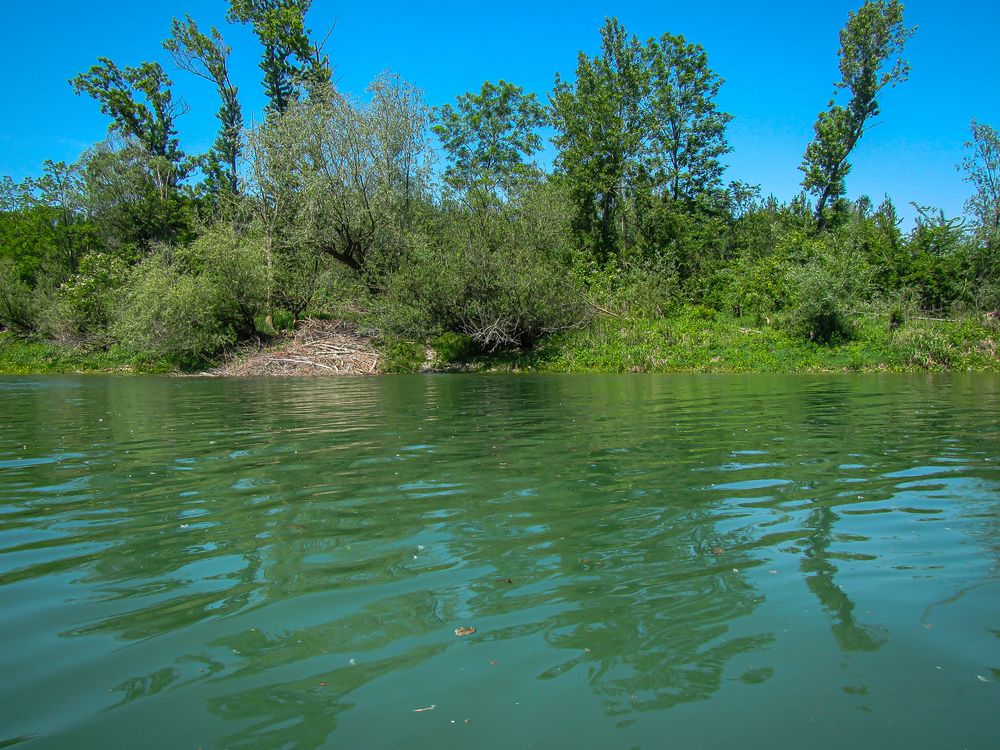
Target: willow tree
[336, 178]
[982, 169]
[870, 55]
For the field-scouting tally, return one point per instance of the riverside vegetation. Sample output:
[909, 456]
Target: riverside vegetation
[436, 227]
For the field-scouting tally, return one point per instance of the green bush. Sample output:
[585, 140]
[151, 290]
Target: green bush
[17, 309]
[819, 312]
[166, 313]
[400, 356]
[91, 293]
[500, 277]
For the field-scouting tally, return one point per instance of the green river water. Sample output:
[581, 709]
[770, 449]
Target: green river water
[649, 561]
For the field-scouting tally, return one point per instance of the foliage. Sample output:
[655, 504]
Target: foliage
[499, 278]
[206, 56]
[341, 178]
[167, 313]
[290, 60]
[16, 309]
[398, 356]
[638, 124]
[489, 138]
[820, 312]
[871, 45]
[91, 292]
[141, 106]
[630, 254]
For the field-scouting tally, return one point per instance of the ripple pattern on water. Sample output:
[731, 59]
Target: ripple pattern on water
[285, 563]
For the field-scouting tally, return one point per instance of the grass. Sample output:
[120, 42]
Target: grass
[700, 340]
[20, 357]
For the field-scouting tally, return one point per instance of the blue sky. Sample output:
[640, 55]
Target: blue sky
[779, 61]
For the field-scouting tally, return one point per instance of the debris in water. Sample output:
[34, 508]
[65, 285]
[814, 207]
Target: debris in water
[981, 678]
[493, 662]
[464, 631]
[717, 550]
[505, 580]
[773, 572]
[428, 708]
[322, 684]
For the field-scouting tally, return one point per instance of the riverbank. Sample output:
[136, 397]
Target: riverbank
[694, 339]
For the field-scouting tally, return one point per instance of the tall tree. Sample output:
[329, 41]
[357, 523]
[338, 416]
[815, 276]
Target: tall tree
[982, 169]
[687, 131]
[490, 138]
[871, 47]
[290, 60]
[599, 133]
[206, 56]
[638, 123]
[133, 181]
[139, 102]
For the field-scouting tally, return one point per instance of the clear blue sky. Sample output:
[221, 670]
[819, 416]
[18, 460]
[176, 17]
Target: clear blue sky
[778, 59]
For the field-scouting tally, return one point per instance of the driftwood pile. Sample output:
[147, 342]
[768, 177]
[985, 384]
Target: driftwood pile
[317, 348]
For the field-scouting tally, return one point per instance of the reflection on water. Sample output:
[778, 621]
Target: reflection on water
[762, 560]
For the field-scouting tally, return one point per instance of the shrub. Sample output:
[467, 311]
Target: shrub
[166, 313]
[500, 277]
[819, 313]
[17, 310]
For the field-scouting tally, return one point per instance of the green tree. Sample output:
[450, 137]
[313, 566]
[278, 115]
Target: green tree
[982, 169]
[687, 131]
[206, 56]
[340, 178]
[599, 135]
[871, 47]
[638, 126]
[290, 60]
[141, 106]
[133, 183]
[131, 202]
[490, 138]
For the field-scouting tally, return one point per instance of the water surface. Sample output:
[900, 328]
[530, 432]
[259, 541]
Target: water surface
[649, 561]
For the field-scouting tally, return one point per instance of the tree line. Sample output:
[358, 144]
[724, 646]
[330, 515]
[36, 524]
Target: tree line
[416, 221]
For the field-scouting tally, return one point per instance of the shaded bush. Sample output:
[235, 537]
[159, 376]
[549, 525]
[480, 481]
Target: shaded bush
[819, 312]
[500, 277]
[17, 308]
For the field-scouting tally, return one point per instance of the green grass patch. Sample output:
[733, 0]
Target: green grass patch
[20, 357]
[400, 356]
[696, 339]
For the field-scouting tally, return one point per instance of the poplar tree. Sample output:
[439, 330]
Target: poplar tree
[870, 54]
[206, 56]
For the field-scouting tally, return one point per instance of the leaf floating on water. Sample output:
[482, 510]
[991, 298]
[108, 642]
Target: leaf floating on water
[428, 708]
[464, 631]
